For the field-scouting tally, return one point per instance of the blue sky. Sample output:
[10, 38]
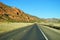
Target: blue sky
[39, 8]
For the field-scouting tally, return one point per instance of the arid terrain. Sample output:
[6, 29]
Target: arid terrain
[15, 24]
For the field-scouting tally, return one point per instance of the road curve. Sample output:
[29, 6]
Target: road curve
[31, 32]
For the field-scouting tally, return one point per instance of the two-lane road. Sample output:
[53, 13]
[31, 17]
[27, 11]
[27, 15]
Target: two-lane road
[31, 32]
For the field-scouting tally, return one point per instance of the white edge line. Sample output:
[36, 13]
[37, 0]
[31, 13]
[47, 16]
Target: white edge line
[43, 34]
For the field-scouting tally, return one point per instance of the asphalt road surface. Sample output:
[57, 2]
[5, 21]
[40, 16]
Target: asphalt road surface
[51, 35]
[31, 32]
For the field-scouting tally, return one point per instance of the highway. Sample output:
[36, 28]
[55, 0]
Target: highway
[50, 33]
[31, 32]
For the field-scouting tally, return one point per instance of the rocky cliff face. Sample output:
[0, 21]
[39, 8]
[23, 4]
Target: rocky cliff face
[13, 14]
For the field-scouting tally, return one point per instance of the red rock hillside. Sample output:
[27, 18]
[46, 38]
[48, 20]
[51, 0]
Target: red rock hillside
[12, 14]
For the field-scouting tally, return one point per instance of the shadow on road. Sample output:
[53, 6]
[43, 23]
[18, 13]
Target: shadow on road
[16, 31]
[30, 32]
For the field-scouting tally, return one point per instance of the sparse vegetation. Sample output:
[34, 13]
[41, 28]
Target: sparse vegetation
[52, 25]
[11, 14]
[5, 27]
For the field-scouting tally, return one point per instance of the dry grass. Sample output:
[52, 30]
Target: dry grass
[5, 27]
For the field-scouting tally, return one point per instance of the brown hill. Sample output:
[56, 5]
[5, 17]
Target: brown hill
[12, 14]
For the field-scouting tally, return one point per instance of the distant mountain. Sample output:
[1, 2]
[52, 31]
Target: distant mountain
[13, 14]
[56, 20]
